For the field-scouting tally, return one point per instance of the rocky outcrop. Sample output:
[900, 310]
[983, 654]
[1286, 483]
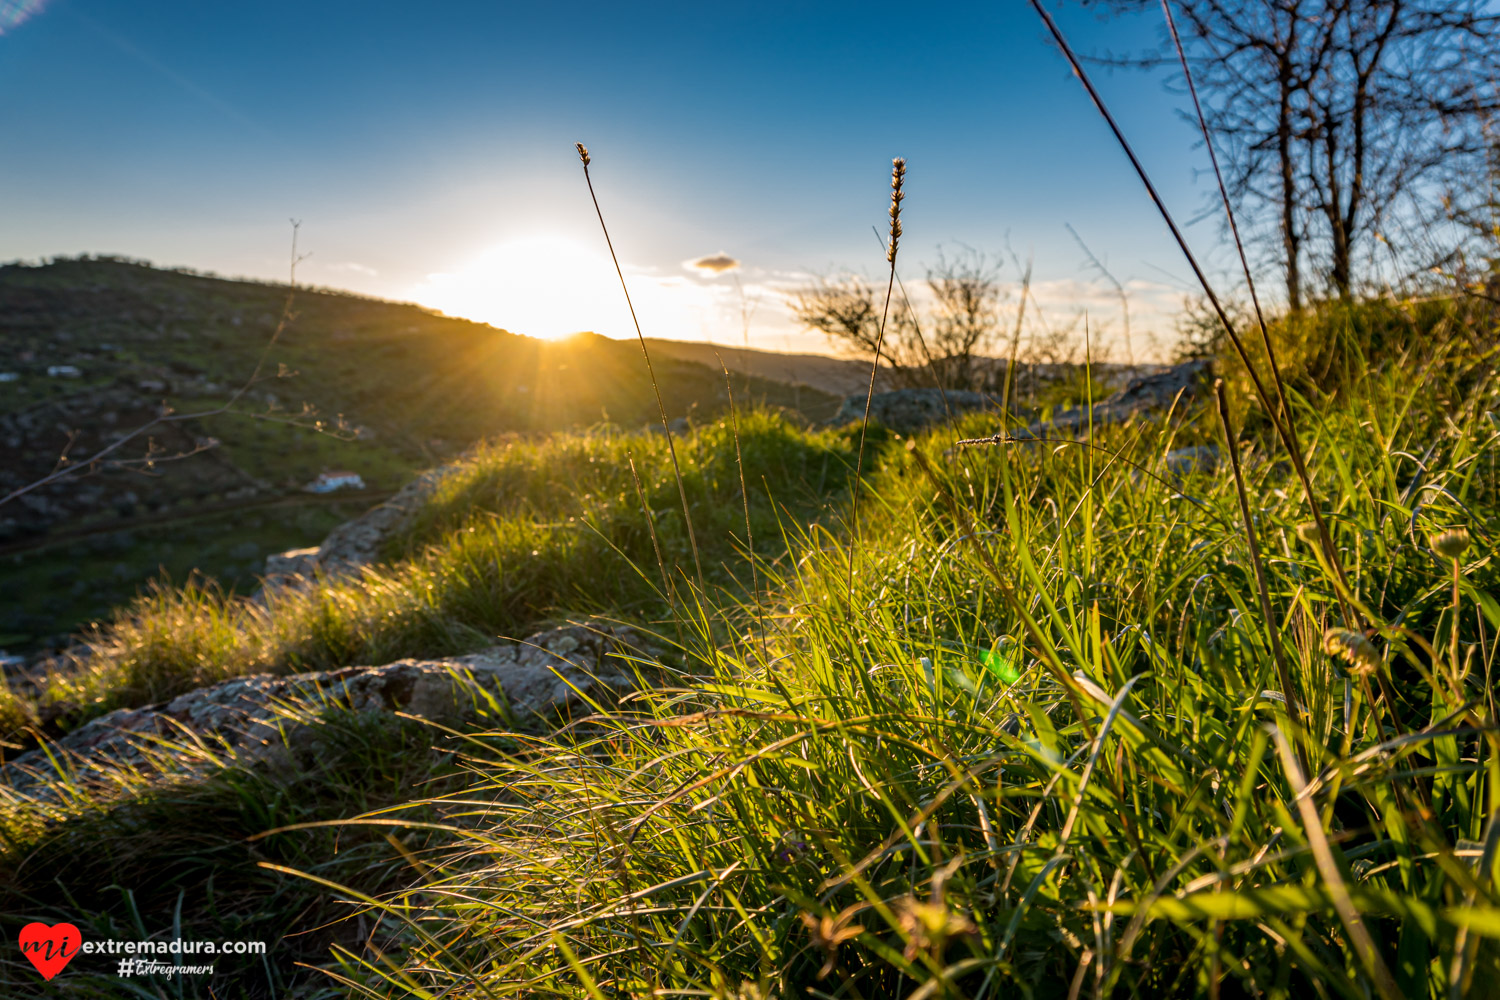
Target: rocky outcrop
[909, 410]
[1157, 390]
[271, 719]
[355, 543]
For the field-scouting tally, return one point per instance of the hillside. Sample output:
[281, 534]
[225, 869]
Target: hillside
[93, 348]
[561, 740]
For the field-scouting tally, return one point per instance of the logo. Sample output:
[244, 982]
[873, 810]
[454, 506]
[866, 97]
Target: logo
[50, 948]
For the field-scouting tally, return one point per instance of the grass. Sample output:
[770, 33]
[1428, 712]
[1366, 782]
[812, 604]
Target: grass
[421, 387]
[871, 807]
[1043, 753]
[524, 532]
[177, 856]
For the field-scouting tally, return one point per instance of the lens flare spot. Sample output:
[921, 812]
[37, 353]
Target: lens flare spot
[14, 13]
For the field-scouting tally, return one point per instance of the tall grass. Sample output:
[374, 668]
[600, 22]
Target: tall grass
[523, 533]
[1047, 755]
[1048, 758]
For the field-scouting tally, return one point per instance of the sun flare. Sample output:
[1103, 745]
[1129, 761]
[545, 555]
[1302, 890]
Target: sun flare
[543, 286]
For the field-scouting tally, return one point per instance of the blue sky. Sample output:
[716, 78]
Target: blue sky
[428, 151]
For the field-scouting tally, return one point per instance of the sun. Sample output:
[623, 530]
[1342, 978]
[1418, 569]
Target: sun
[552, 286]
[542, 286]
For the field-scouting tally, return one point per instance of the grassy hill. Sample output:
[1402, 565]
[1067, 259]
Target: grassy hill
[379, 388]
[1034, 725]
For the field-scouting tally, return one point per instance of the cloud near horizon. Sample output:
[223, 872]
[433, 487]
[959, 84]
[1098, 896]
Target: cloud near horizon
[716, 263]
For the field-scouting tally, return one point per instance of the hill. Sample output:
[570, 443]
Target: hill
[1042, 688]
[91, 349]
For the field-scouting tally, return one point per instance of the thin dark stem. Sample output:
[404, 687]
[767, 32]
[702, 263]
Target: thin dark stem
[651, 371]
[898, 174]
[739, 461]
[661, 563]
[1285, 410]
[1288, 441]
[859, 458]
[922, 342]
[1273, 632]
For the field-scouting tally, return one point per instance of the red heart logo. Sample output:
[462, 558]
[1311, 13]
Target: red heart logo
[50, 948]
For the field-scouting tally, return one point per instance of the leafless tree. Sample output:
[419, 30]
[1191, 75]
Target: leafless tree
[847, 309]
[965, 323]
[1334, 116]
[963, 326]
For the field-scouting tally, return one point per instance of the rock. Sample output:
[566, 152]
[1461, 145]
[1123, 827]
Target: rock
[1185, 461]
[355, 543]
[1155, 391]
[908, 410]
[285, 566]
[258, 717]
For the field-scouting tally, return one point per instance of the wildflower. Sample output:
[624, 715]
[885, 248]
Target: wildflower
[1354, 648]
[793, 847]
[1450, 543]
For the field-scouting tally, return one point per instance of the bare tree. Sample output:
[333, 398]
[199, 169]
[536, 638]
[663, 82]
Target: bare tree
[847, 308]
[964, 323]
[965, 315]
[1333, 116]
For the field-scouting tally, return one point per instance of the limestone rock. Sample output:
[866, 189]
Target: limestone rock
[908, 410]
[1154, 391]
[355, 543]
[259, 717]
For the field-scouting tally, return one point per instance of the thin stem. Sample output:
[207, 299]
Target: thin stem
[1288, 441]
[898, 174]
[660, 406]
[1325, 538]
[1273, 632]
[739, 461]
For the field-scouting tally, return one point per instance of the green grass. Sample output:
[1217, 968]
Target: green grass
[523, 533]
[866, 807]
[422, 387]
[182, 858]
[1041, 747]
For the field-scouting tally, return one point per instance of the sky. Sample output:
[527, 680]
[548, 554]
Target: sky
[427, 150]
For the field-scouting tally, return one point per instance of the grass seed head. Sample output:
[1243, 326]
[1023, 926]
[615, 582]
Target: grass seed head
[1352, 647]
[583, 153]
[898, 178]
[1450, 543]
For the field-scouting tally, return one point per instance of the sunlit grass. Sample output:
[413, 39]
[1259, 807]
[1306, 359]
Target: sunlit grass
[1040, 750]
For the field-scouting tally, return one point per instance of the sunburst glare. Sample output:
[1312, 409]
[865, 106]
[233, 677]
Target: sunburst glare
[552, 286]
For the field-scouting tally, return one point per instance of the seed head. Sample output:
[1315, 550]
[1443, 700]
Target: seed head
[1450, 543]
[1353, 648]
[1308, 532]
[898, 177]
[583, 153]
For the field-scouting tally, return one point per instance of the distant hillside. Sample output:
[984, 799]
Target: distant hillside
[836, 376]
[93, 348]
